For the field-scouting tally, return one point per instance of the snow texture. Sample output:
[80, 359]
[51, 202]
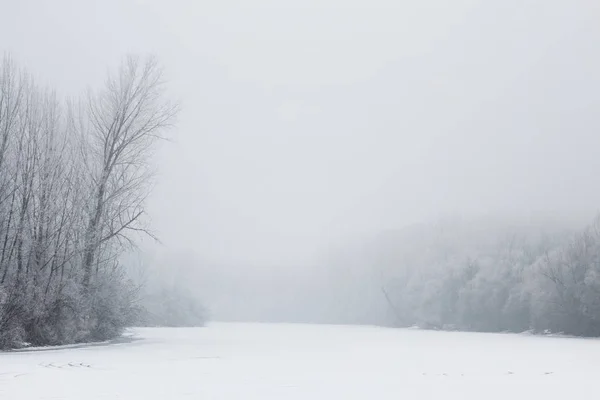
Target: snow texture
[279, 361]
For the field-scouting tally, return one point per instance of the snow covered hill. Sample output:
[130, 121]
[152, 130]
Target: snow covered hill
[279, 361]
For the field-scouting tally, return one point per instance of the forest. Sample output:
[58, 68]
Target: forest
[486, 275]
[74, 177]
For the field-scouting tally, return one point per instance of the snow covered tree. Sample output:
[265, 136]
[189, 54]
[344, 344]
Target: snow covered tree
[73, 180]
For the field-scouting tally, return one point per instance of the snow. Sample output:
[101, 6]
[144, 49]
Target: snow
[287, 361]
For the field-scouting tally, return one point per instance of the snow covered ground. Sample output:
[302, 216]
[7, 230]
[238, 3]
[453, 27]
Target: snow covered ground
[285, 361]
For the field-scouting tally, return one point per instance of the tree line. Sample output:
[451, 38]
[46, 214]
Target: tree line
[74, 176]
[509, 279]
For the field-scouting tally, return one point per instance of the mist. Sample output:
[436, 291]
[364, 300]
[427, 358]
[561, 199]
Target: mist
[310, 129]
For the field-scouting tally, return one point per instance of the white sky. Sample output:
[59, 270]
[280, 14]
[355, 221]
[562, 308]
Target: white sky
[307, 122]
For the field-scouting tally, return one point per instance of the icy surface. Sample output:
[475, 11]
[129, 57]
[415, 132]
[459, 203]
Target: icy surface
[277, 361]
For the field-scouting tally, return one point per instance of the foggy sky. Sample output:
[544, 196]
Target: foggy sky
[306, 123]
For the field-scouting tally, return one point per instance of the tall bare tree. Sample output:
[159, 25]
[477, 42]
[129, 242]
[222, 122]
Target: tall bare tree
[125, 121]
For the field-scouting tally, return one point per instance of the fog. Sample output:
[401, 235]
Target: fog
[309, 126]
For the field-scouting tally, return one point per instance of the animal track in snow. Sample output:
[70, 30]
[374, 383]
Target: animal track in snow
[67, 365]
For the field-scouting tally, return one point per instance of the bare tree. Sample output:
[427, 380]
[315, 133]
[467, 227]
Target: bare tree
[124, 122]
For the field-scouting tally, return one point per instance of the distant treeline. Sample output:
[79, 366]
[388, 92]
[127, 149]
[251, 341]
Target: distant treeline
[493, 278]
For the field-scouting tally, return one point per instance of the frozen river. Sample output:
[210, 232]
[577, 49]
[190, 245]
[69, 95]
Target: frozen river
[285, 361]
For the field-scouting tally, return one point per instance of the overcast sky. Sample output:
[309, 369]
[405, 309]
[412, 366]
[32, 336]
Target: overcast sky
[308, 122]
